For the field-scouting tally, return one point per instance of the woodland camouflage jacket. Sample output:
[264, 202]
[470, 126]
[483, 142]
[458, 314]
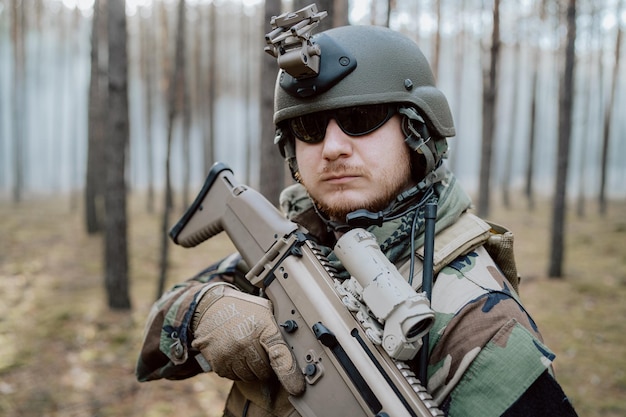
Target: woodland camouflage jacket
[485, 349]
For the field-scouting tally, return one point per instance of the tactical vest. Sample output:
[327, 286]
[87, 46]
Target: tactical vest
[463, 236]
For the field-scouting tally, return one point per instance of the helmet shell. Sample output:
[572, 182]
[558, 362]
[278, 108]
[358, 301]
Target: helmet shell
[390, 68]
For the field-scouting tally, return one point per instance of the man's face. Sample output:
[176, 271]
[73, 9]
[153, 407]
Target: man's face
[344, 173]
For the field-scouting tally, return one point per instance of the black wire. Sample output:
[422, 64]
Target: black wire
[245, 408]
[412, 267]
[429, 196]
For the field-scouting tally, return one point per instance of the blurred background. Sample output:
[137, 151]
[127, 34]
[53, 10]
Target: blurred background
[113, 111]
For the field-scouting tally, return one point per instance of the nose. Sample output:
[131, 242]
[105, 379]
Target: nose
[336, 143]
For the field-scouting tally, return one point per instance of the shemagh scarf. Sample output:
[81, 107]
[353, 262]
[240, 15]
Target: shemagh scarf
[394, 236]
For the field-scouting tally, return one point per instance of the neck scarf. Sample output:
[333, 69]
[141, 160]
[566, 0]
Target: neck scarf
[393, 236]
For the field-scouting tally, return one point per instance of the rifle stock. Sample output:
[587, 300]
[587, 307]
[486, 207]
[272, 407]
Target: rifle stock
[250, 221]
[346, 373]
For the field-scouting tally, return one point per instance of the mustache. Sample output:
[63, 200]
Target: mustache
[333, 169]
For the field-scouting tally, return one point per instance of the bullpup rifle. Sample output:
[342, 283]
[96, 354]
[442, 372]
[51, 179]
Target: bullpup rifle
[350, 338]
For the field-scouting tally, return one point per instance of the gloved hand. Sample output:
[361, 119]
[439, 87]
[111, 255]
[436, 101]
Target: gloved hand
[238, 335]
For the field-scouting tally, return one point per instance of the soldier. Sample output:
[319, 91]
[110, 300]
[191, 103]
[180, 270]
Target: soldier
[365, 138]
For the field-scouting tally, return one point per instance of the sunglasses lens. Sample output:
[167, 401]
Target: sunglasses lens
[354, 121]
[309, 128]
[361, 120]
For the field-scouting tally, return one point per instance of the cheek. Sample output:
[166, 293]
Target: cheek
[306, 157]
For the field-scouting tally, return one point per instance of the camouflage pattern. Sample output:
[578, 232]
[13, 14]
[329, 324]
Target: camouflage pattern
[485, 349]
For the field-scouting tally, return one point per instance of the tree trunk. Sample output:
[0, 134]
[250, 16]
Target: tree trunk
[116, 244]
[76, 138]
[183, 99]
[510, 146]
[174, 105]
[532, 131]
[18, 18]
[459, 71]
[583, 158]
[590, 85]
[437, 46]
[209, 154]
[530, 161]
[248, 48]
[565, 127]
[606, 130]
[94, 186]
[341, 10]
[272, 164]
[148, 66]
[488, 116]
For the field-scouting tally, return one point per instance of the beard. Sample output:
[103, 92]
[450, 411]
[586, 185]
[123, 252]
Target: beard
[391, 183]
[340, 210]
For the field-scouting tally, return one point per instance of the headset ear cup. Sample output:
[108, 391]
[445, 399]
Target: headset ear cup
[429, 149]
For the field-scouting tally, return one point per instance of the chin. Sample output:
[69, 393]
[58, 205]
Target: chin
[339, 208]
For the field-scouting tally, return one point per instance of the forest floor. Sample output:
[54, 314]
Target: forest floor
[64, 353]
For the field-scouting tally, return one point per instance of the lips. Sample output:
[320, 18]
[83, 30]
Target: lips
[338, 177]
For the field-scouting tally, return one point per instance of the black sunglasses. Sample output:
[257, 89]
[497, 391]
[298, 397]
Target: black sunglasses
[353, 121]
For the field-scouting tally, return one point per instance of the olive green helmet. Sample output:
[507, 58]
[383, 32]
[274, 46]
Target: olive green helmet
[363, 65]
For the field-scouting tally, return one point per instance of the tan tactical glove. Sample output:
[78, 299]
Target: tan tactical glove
[238, 335]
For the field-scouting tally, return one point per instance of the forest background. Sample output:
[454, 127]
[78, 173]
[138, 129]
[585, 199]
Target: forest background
[535, 88]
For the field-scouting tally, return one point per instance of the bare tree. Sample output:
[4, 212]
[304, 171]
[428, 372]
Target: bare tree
[116, 242]
[589, 86]
[272, 164]
[606, 128]
[94, 185]
[437, 46]
[490, 90]
[249, 50]
[459, 71]
[209, 154]
[183, 98]
[341, 9]
[534, 109]
[390, 6]
[3, 163]
[148, 70]
[76, 138]
[531, 143]
[557, 246]
[18, 19]
[174, 104]
[510, 145]
[59, 70]
[197, 83]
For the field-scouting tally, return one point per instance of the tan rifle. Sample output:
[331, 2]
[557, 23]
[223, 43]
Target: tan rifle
[350, 338]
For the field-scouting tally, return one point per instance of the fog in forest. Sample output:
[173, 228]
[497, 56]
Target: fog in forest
[56, 81]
